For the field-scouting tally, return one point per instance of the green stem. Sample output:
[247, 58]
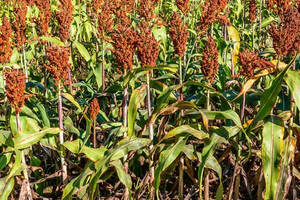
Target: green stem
[61, 135]
[25, 172]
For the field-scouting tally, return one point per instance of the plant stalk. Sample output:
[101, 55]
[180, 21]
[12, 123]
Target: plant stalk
[25, 172]
[25, 64]
[103, 67]
[181, 162]
[125, 104]
[61, 135]
[94, 134]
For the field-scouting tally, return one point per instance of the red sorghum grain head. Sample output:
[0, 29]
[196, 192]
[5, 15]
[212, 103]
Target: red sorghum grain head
[279, 6]
[211, 9]
[147, 46]
[224, 20]
[121, 10]
[45, 15]
[19, 25]
[94, 109]
[286, 35]
[251, 62]
[252, 10]
[64, 18]
[105, 19]
[183, 6]
[146, 9]
[15, 88]
[58, 65]
[124, 42]
[5, 41]
[210, 64]
[179, 34]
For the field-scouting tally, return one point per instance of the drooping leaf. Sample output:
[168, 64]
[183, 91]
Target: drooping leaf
[24, 140]
[82, 50]
[135, 99]
[186, 129]
[166, 158]
[123, 176]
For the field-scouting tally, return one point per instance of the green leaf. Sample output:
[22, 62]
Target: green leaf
[166, 158]
[228, 114]
[53, 40]
[187, 130]
[123, 176]
[24, 140]
[213, 164]
[93, 154]
[135, 99]
[207, 153]
[268, 99]
[292, 79]
[82, 50]
[4, 160]
[272, 147]
[73, 146]
[6, 187]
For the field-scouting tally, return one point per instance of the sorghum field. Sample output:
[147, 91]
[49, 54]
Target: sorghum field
[150, 99]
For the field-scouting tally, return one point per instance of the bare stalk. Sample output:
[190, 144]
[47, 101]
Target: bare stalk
[181, 162]
[125, 106]
[103, 67]
[243, 107]
[25, 172]
[61, 135]
[25, 64]
[94, 134]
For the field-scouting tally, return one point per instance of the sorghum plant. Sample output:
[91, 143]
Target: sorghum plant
[58, 66]
[15, 92]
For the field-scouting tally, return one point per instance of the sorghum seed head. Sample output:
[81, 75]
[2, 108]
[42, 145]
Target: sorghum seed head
[147, 46]
[179, 34]
[94, 109]
[251, 62]
[15, 88]
[210, 63]
[58, 65]
[5, 41]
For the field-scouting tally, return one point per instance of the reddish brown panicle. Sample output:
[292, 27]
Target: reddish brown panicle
[210, 63]
[279, 6]
[94, 109]
[15, 88]
[19, 25]
[211, 9]
[183, 6]
[58, 65]
[64, 18]
[5, 41]
[146, 10]
[286, 35]
[252, 10]
[105, 19]
[179, 34]
[124, 41]
[147, 46]
[45, 15]
[251, 62]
